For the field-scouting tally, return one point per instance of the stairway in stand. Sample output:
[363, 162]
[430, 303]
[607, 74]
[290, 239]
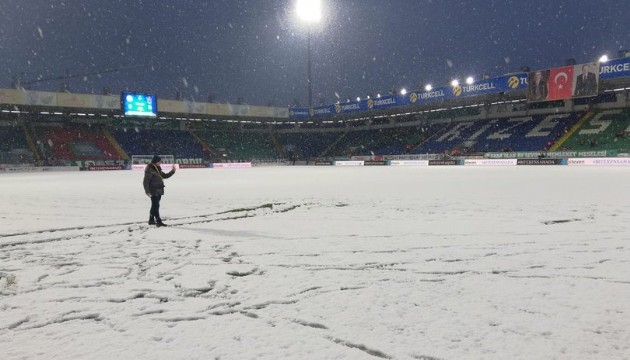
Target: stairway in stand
[572, 131]
[119, 150]
[31, 143]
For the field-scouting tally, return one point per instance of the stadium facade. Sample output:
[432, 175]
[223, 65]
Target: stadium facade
[492, 118]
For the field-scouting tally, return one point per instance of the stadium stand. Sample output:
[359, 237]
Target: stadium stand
[606, 130]
[309, 145]
[235, 145]
[385, 141]
[179, 143]
[14, 148]
[532, 133]
[74, 143]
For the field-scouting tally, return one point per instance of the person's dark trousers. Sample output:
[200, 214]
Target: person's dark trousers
[155, 208]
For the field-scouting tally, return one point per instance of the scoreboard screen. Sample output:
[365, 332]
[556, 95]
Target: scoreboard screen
[139, 104]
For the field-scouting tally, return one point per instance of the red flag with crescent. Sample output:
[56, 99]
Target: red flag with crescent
[560, 83]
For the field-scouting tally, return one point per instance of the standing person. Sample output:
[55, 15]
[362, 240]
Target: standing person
[586, 84]
[154, 188]
[537, 87]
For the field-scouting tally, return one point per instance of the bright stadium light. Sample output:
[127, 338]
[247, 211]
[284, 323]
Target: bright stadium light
[429, 87]
[309, 10]
[603, 59]
[455, 83]
[403, 92]
[378, 96]
[470, 80]
[358, 98]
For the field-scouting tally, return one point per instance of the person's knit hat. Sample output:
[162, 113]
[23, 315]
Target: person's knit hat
[156, 159]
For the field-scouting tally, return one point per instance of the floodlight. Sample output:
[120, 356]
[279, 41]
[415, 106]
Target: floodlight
[309, 10]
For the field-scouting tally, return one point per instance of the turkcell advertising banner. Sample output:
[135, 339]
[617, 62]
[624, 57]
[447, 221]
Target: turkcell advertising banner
[503, 84]
[299, 113]
[614, 69]
[562, 83]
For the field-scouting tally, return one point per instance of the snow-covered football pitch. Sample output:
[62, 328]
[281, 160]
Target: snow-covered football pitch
[318, 263]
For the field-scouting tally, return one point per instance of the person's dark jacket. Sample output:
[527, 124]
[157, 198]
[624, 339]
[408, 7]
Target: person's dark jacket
[586, 87]
[154, 179]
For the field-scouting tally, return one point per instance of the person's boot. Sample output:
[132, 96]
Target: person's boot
[151, 221]
[159, 223]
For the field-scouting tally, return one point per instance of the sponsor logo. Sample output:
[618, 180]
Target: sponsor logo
[350, 107]
[311, 112]
[599, 162]
[374, 163]
[370, 104]
[105, 167]
[616, 68]
[479, 87]
[193, 166]
[322, 111]
[337, 108]
[611, 161]
[432, 94]
[348, 163]
[298, 113]
[513, 82]
[323, 163]
[539, 162]
[444, 162]
[413, 97]
[409, 163]
[383, 102]
[490, 162]
[231, 165]
[576, 162]
[457, 90]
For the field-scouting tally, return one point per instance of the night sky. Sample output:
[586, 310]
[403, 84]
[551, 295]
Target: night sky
[257, 50]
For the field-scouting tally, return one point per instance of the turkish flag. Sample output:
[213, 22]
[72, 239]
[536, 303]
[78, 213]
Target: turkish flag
[560, 83]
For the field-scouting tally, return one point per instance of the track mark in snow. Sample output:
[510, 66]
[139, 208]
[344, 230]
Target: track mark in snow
[310, 324]
[183, 318]
[230, 304]
[555, 222]
[149, 312]
[241, 213]
[63, 319]
[242, 274]
[131, 224]
[195, 292]
[133, 297]
[373, 352]
[18, 323]
[266, 304]
[346, 288]
[424, 357]
[264, 206]
[307, 290]
[248, 314]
